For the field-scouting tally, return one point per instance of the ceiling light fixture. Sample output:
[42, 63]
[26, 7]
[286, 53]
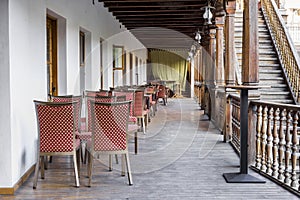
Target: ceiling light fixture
[198, 36]
[207, 12]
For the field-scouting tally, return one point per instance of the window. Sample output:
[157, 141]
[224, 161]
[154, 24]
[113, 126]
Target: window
[101, 64]
[118, 57]
[82, 48]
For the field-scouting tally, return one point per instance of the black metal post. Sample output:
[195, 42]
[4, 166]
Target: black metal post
[244, 132]
[243, 176]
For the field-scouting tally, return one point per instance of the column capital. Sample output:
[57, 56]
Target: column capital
[230, 7]
[212, 33]
[220, 21]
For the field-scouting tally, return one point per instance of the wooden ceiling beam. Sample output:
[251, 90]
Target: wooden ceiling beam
[163, 22]
[160, 23]
[152, 7]
[146, 12]
[124, 15]
[147, 1]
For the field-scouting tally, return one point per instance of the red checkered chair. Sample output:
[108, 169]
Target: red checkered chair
[163, 93]
[80, 124]
[152, 101]
[86, 135]
[132, 126]
[139, 109]
[109, 133]
[56, 122]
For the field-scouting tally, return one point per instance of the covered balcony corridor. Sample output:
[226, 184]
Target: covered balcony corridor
[182, 156]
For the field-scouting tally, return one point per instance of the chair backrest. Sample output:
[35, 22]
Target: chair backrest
[139, 103]
[56, 126]
[97, 98]
[162, 92]
[71, 98]
[109, 125]
[120, 98]
[129, 97]
[90, 93]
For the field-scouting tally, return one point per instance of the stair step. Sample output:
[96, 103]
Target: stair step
[264, 59]
[267, 62]
[269, 53]
[270, 71]
[281, 93]
[263, 42]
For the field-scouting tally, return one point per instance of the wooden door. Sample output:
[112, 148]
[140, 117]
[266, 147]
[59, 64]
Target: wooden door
[52, 86]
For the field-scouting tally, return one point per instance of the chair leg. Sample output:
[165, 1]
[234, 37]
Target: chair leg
[146, 119]
[123, 165]
[88, 161]
[36, 172]
[46, 162]
[128, 169]
[90, 168]
[143, 125]
[78, 155]
[42, 167]
[135, 142]
[75, 169]
[110, 163]
[83, 152]
[117, 160]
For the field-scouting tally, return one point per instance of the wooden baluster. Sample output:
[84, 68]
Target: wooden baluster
[287, 157]
[275, 144]
[281, 144]
[269, 141]
[294, 150]
[258, 137]
[238, 130]
[264, 139]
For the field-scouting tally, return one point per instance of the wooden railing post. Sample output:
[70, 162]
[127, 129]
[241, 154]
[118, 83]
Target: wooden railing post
[294, 150]
[229, 43]
[252, 116]
[258, 137]
[275, 143]
[228, 120]
[250, 44]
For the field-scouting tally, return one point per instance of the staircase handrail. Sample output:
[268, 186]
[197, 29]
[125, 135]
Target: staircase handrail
[285, 48]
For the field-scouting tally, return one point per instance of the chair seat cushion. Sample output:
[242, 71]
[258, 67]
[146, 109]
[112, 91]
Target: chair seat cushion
[153, 102]
[132, 119]
[145, 112]
[84, 136]
[133, 127]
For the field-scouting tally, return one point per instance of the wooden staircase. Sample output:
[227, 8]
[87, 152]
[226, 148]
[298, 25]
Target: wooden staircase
[270, 71]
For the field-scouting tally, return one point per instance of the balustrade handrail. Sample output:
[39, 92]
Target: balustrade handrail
[284, 46]
[276, 105]
[234, 96]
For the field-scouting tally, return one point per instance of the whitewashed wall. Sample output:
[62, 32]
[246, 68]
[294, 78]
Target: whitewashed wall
[23, 76]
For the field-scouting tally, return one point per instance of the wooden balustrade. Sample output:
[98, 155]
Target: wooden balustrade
[276, 134]
[277, 142]
[284, 46]
[234, 120]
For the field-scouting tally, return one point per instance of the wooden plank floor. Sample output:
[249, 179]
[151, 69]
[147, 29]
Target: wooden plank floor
[180, 157]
